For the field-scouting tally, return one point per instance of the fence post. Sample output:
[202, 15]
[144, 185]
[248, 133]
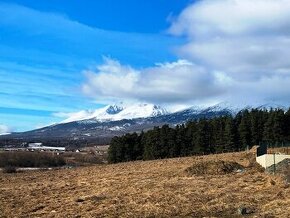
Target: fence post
[274, 163]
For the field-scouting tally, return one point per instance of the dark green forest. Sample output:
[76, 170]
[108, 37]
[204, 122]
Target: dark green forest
[204, 136]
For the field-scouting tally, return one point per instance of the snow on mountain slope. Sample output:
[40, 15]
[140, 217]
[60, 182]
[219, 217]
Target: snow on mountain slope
[140, 110]
[270, 106]
[81, 115]
[5, 133]
[235, 108]
[122, 111]
[117, 112]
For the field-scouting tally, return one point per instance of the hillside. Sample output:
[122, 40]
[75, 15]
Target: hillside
[99, 129]
[161, 188]
[115, 120]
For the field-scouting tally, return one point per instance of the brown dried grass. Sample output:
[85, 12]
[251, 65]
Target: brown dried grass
[159, 188]
[213, 167]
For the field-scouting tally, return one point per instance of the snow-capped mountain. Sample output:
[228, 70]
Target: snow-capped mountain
[5, 133]
[119, 119]
[233, 109]
[118, 112]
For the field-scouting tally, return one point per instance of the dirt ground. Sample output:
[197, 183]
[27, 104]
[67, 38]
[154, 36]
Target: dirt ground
[160, 188]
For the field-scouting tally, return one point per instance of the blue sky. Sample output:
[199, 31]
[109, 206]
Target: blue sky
[58, 57]
[46, 45]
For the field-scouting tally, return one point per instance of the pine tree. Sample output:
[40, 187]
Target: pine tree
[202, 138]
[217, 135]
[163, 142]
[287, 125]
[152, 144]
[174, 149]
[230, 134]
[278, 126]
[254, 125]
[112, 152]
[244, 130]
[180, 140]
[139, 147]
[268, 134]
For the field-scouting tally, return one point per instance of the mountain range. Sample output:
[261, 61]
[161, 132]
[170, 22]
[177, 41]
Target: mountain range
[114, 120]
[118, 112]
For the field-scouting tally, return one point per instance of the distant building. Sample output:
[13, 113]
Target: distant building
[38, 144]
[46, 148]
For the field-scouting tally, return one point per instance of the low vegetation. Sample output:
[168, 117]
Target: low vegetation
[30, 159]
[9, 169]
[83, 159]
[217, 167]
[158, 188]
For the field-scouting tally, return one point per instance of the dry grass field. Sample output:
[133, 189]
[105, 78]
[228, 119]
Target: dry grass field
[161, 188]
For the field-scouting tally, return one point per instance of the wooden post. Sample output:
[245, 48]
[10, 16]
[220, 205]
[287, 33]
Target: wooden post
[274, 163]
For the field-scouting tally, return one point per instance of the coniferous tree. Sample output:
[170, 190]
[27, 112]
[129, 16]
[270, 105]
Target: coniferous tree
[139, 147]
[173, 148]
[164, 142]
[202, 137]
[287, 125]
[254, 126]
[180, 139]
[230, 135]
[278, 126]
[220, 134]
[112, 152]
[244, 130]
[268, 135]
[151, 144]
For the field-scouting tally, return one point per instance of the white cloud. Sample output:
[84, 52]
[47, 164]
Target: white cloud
[209, 18]
[247, 40]
[236, 50]
[176, 82]
[73, 116]
[4, 129]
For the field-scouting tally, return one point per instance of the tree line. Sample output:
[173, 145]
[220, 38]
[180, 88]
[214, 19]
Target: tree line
[204, 136]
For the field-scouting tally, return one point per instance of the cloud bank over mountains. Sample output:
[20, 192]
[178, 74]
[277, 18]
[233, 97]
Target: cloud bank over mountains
[215, 51]
[174, 82]
[4, 129]
[236, 50]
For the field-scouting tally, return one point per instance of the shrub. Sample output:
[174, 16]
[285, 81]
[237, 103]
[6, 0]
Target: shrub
[9, 169]
[30, 159]
[213, 168]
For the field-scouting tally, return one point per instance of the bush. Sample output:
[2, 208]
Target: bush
[30, 159]
[9, 169]
[80, 159]
[213, 168]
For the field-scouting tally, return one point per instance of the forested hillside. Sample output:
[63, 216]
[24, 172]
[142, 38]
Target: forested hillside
[204, 136]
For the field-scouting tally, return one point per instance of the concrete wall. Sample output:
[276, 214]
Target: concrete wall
[267, 160]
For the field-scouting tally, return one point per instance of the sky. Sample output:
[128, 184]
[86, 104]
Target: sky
[63, 56]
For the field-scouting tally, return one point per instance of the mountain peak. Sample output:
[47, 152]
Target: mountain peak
[114, 109]
[118, 112]
[142, 110]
